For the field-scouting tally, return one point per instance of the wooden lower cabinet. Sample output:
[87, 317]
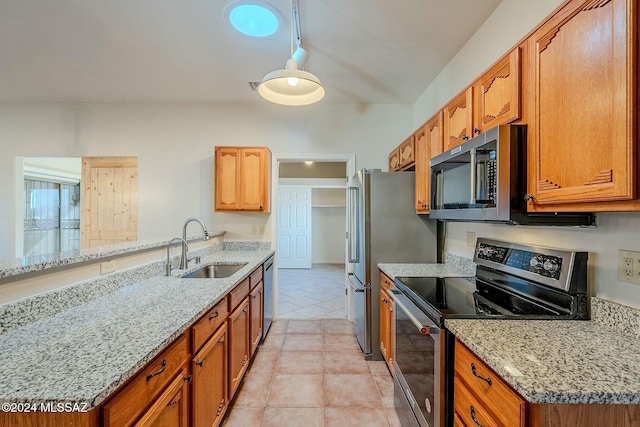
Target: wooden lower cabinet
[482, 394]
[239, 351]
[386, 328]
[209, 384]
[171, 409]
[148, 388]
[256, 308]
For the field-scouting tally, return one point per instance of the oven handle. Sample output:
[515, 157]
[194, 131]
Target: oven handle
[424, 324]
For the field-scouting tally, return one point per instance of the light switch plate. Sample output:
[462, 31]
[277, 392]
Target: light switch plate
[471, 239]
[629, 266]
[107, 267]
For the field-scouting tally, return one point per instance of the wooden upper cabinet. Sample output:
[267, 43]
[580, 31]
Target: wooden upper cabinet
[497, 93]
[242, 179]
[583, 137]
[458, 119]
[394, 160]
[422, 170]
[403, 156]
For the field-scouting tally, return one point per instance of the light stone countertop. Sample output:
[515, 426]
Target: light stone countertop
[18, 266]
[454, 266]
[83, 354]
[548, 361]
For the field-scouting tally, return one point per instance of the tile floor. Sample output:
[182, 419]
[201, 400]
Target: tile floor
[311, 373]
[316, 293]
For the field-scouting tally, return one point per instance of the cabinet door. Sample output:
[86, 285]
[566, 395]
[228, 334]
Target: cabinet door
[256, 301]
[386, 328]
[394, 160]
[458, 119]
[384, 345]
[238, 345]
[584, 102]
[407, 152]
[435, 134]
[171, 409]
[254, 179]
[227, 176]
[497, 93]
[209, 387]
[422, 170]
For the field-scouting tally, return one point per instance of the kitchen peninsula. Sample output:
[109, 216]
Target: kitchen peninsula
[81, 355]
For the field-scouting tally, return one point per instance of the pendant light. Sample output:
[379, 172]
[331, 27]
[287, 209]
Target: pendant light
[292, 86]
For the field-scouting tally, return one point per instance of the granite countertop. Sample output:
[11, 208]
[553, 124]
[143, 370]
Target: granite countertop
[83, 354]
[18, 266]
[564, 361]
[454, 266]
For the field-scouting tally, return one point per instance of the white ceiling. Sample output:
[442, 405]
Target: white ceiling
[364, 51]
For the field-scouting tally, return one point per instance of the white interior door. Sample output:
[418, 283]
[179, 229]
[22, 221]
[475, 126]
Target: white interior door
[294, 227]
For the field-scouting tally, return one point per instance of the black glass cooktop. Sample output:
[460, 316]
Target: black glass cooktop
[459, 297]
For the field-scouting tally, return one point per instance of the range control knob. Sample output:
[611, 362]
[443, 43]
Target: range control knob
[535, 262]
[486, 250]
[550, 265]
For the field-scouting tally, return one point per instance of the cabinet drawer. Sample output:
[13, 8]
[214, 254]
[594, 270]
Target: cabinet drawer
[255, 277]
[494, 394]
[385, 282]
[131, 401]
[469, 410]
[209, 323]
[238, 293]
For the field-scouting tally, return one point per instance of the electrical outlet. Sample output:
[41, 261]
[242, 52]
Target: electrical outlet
[107, 267]
[261, 229]
[629, 266]
[471, 239]
[254, 228]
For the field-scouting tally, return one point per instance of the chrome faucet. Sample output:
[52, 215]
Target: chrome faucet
[185, 248]
[184, 261]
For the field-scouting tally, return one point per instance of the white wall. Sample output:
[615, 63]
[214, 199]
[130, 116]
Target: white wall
[174, 144]
[329, 225]
[512, 20]
[506, 26]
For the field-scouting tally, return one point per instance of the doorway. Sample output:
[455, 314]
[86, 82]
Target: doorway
[315, 289]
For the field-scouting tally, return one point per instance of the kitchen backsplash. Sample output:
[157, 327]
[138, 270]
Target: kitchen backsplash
[618, 317]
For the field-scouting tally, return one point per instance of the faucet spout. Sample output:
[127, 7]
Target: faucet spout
[185, 248]
[205, 233]
[184, 262]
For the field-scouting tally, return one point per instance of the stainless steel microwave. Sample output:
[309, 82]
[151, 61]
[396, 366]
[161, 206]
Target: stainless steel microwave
[485, 179]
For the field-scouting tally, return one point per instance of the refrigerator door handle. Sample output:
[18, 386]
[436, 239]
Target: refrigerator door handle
[353, 286]
[353, 225]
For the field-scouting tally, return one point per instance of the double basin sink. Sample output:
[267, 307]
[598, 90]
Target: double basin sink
[215, 271]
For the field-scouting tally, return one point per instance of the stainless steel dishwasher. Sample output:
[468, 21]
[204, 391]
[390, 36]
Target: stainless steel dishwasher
[268, 296]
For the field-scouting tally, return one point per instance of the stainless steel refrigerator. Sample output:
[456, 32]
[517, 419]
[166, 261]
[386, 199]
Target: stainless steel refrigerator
[383, 227]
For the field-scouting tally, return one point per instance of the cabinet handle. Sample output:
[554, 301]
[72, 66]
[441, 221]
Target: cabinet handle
[529, 197]
[473, 416]
[465, 137]
[260, 207]
[476, 130]
[475, 373]
[164, 365]
[188, 378]
[214, 315]
[200, 363]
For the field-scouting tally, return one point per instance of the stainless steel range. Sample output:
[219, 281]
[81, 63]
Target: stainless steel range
[512, 281]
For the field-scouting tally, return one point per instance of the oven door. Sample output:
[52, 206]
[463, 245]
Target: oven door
[417, 365]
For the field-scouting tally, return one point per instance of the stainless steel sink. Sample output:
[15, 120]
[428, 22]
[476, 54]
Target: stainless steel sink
[215, 271]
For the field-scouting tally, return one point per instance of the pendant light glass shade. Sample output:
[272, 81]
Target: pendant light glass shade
[291, 86]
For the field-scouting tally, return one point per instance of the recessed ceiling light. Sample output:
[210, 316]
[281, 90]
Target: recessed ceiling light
[254, 18]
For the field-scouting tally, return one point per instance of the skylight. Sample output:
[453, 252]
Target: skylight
[254, 18]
